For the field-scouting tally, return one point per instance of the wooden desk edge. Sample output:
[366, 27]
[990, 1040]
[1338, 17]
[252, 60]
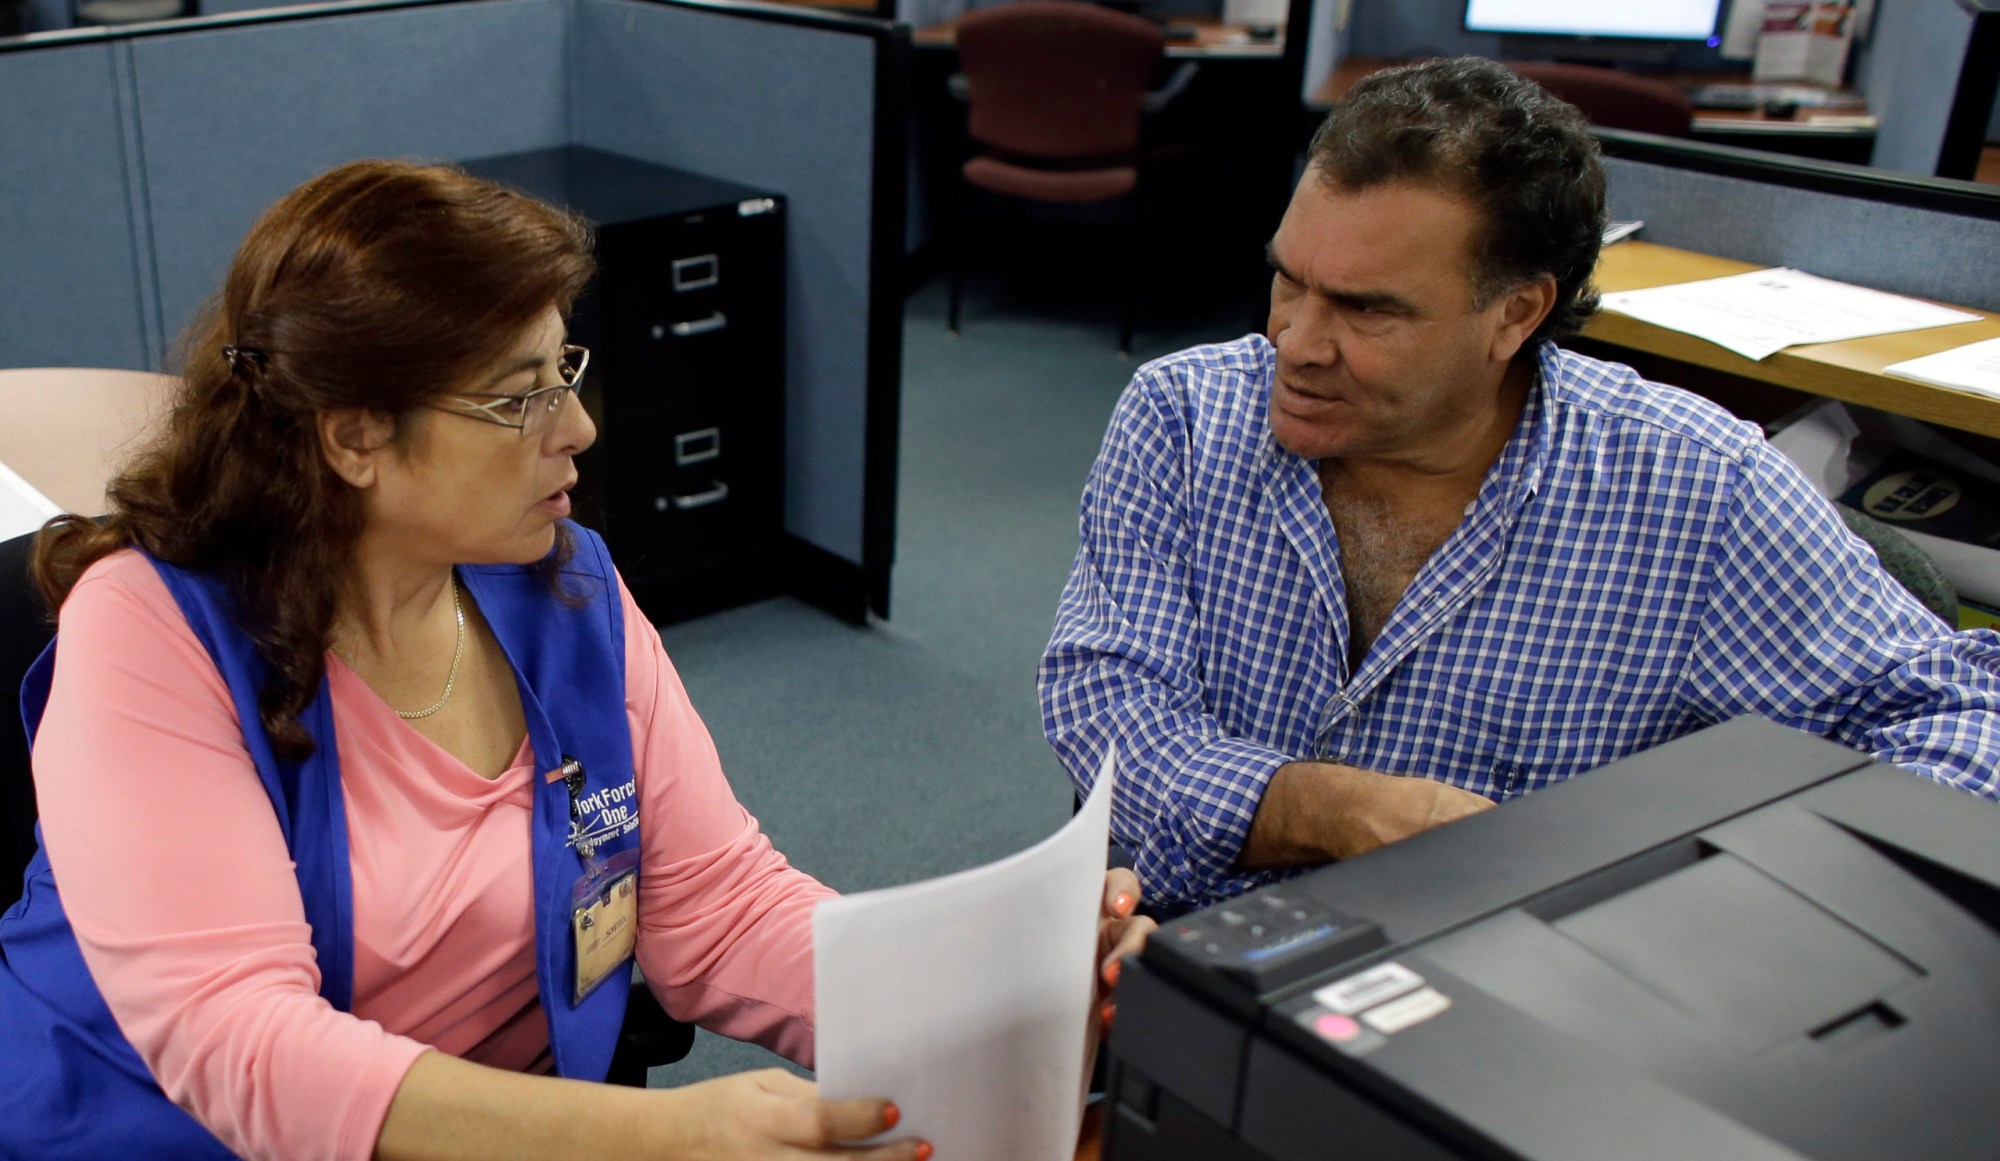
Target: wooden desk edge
[1213, 40]
[1850, 371]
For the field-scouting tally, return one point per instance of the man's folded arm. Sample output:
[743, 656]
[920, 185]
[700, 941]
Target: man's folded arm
[1803, 627]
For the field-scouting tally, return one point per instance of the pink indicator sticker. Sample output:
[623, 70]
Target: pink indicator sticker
[1335, 1026]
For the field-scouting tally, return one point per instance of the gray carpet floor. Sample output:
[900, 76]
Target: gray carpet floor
[913, 747]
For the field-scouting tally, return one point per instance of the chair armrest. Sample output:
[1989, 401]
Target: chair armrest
[1177, 84]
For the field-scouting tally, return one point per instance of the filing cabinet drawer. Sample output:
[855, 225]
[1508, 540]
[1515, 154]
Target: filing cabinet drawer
[685, 321]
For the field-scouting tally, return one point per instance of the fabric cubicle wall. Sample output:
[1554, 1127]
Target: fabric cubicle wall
[809, 104]
[1930, 79]
[134, 163]
[71, 268]
[134, 160]
[235, 116]
[1906, 235]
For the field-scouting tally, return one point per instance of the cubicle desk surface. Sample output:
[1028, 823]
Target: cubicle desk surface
[1850, 371]
[1213, 40]
[66, 433]
[1844, 133]
[685, 322]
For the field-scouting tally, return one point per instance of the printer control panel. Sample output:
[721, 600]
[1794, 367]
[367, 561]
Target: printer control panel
[1266, 939]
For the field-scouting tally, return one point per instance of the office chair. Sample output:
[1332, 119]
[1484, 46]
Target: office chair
[1056, 90]
[1613, 99]
[24, 631]
[647, 1039]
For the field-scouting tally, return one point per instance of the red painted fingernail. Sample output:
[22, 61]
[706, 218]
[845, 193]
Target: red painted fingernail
[890, 1115]
[1111, 971]
[1106, 1012]
[1122, 902]
[924, 1151]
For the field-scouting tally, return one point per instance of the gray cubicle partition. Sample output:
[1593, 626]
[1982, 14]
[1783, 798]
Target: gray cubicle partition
[795, 101]
[235, 116]
[133, 160]
[1928, 237]
[73, 282]
[1930, 77]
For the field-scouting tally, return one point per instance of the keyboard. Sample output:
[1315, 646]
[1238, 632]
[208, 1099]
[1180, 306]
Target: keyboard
[1755, 95]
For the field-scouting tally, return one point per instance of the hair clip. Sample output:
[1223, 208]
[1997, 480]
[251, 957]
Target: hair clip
[237, 356]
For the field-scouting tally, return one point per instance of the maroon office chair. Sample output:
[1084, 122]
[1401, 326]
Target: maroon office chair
[1056, 89]
[1613, 99]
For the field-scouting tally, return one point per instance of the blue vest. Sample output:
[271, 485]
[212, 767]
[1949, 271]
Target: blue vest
[72, 1086]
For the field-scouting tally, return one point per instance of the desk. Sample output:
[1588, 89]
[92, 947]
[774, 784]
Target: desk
[69, 430]
[1842, 134]
[1213, 40]
[1831, 135]
[1850, 371]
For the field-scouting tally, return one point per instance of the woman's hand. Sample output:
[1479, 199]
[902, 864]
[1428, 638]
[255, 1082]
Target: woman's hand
[772, 1114]
[1121, 931]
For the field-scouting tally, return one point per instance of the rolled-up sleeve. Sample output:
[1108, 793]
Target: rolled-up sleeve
[1802, 626]
[1123, 669]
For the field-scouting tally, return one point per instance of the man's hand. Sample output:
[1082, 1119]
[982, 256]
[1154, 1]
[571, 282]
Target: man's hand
[1313, 812]
[1392, 808]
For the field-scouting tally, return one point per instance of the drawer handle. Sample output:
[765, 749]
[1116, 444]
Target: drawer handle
[714, 495]
[700, 326]
[692, 447]
[696, 273]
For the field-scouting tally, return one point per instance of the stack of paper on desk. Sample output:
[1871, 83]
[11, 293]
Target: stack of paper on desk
[1972, 367]
[22, 508]
[966, 999]
[1761, 312]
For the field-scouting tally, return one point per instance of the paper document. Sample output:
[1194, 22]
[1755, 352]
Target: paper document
[1973, 367]
[966, 999]
[22, 508]
[1761, 312]
[1619, 231]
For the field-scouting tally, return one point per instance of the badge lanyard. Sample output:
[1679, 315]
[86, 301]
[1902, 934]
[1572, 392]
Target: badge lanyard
[604, 905]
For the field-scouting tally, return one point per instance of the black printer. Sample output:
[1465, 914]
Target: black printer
[1746, 944]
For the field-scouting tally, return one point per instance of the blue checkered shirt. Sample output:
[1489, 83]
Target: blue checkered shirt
[1638, 564]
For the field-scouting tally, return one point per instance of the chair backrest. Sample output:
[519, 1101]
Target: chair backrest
[117, 12]
[68, 428]
[1613, 99]
[1058, 79]
[24, 631]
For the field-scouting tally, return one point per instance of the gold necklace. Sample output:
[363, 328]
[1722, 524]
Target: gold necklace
[457, 651]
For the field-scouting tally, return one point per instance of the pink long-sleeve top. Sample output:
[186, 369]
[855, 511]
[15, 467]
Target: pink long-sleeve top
[181, 892]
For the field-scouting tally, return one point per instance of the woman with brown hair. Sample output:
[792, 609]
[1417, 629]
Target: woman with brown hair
[361, 774]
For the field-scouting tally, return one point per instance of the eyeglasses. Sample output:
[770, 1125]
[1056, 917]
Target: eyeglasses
[530, 412]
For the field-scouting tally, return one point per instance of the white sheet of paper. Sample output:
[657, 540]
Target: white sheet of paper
[966, 999]
[1972, 367]
[1761, 312]
[22, 508]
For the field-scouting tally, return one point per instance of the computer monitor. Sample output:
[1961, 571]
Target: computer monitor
[1594, 31]
[1747, 944]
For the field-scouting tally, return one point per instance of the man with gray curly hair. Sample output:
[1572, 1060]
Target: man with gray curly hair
[1403, 557]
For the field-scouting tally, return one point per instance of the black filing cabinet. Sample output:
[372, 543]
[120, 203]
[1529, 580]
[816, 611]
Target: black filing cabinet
[685, 323]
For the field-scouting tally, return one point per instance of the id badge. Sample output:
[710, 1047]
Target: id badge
[604, 920]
